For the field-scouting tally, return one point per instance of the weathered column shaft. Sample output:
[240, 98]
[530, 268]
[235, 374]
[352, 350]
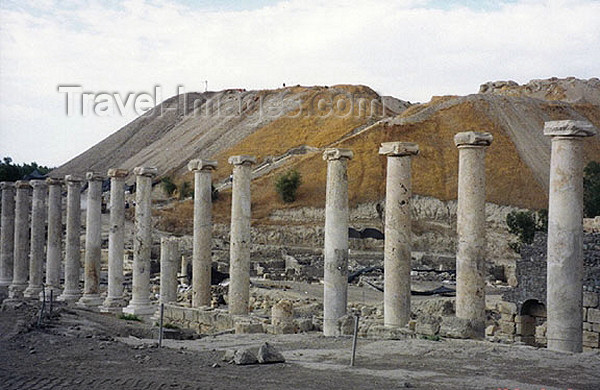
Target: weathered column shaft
[71, 290]
[38, 239]
[397, 246]
[565, 235]
[116, 241]
[21, 244]
[7, 234]
[169, 262]
[142, 244]
[239, 250]
[201, 258]
[470, 227]
[55, 233]
[93, 242]
[335, 292]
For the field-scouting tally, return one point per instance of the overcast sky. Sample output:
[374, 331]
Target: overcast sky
[408, 49]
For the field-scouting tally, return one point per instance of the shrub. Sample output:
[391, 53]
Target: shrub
[168, 185]
[185, 190]
[129, 317]
[287, 185]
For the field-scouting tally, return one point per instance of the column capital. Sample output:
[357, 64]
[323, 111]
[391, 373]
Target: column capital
[117, 172]
[91, 176]
[22, 184]
[569, 128]
[399, 149]
[38, 184]
[52, 181]
[5, 185]
[330, 154]
[145, 171]
[72, 179]
[473, 138]
[199, 165]
[242, 159]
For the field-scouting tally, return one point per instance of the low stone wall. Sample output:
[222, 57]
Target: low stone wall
[511, 326]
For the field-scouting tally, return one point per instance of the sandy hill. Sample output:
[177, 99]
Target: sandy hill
[288, 128]
[204, 125]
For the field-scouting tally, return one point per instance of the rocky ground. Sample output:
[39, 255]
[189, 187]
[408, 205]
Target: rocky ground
[85, 350]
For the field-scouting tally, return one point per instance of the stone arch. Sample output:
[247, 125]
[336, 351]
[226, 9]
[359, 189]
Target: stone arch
[530, 322]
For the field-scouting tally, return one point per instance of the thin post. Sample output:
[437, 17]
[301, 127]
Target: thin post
[354, 339]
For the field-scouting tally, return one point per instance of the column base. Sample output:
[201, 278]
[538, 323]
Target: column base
[5, 283]
[15, 291]
[113, 305]
[69, 296]
[89, 301]
[33, 292]
[140, 309]
[56, 291]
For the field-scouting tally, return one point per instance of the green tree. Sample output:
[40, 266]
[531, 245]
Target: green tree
[591, 190]
[524, 224]
[287, 185]
[14, 172]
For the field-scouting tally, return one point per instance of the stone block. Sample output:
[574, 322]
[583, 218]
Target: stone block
[389, 333]
[507, 327]
[412, 325]
[490, 330]
[540, 331]
[460, 328]
[507, 307]
[248, 327]
[591, 339]
[590, 299]
[304, 324]
[427, 325]
[507, 317]
[593, 315]
[244, 357]
[596, 328]
[346, 325]
[269, 354]
[584, 314]
[588, 326]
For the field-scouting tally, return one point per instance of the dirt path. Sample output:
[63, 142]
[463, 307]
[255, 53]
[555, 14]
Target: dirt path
[84, 350]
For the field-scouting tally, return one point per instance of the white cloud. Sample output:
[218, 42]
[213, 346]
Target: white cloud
[409, 49]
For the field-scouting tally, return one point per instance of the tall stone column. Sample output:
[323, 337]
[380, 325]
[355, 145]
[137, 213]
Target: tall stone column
[335, 292]
[38, 240]
[201, 258]
[116, 241]
[142, 243]
[93, 243]
[397, 246]
[7, 235]
[55, 234]
[169, 262]
[470, 227]
[21, 245]
[239, 250]
[565, 234]
[71, 292]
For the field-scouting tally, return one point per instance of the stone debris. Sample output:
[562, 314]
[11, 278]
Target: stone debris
[269, 354]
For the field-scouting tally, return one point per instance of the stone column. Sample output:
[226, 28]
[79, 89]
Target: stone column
[55, 234]
[38, 240]
[335, 292]
[397, 247]
[169, 262]
[71, 292]
[21, 244]
[142, 243]
[93, 243]
[239, 250]
[470, 227]
[7, 235]
[565, 234]
[201, 258]
[116, 241]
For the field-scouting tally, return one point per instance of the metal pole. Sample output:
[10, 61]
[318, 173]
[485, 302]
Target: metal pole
[160, 325]
[354, 339]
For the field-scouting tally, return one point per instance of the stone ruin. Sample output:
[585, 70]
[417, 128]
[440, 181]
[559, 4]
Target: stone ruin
[572, 316]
